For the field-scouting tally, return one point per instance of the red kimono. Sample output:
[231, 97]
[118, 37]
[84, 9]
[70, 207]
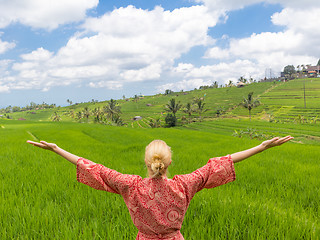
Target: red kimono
[157, 205]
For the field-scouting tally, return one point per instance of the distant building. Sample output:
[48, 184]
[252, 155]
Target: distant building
[240, 84]
[313, 71]
[136, 118]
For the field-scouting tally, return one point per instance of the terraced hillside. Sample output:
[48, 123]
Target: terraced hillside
[280, 101]
[286, 101]
[153, 106]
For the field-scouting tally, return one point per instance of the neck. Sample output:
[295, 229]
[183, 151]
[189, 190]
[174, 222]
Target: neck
[151, 173]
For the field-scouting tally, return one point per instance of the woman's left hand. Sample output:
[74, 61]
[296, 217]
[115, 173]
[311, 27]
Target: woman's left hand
[44, 145]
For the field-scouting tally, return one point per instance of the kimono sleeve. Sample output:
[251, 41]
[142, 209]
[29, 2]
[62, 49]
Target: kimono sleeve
[100, 177]
[216, 172]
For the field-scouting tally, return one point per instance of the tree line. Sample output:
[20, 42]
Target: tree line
[31, 106]
[108, 114]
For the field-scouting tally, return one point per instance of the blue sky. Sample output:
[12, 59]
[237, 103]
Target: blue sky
[100, 50]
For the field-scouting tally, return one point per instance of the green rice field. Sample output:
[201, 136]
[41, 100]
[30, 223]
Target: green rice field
[275, 195]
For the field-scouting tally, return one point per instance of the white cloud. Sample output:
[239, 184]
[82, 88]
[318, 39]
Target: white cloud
[184, 85]
[5, 46]
[227, 5]
[136, 45]
[297, 44]
[4, 66]
[4, 89]
[251, 56]
[151, 72]
[217, 53]
[183, 68]
[125, 45]
[265, 43]
[38, 55]
[194, 77]
[223, 72]
[113, 85]
[46, 14]
[230, 5]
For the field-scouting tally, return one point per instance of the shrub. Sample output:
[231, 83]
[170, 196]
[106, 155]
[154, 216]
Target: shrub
[171, 120]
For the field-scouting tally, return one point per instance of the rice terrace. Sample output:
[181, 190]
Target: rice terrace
[275, 195]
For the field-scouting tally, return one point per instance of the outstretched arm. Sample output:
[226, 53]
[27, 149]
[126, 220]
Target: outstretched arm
[239, 156]
[54, 148]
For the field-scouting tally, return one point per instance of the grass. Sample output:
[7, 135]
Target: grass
[275, 195]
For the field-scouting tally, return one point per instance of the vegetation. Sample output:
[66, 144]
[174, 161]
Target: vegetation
[274, 197]
[199, 102]
[171, 120]
[267, 203]
[189, 110]
[250, 103]
[32, 106]
[280, 102]
[289, 70]
[172, 106]
[55, 117]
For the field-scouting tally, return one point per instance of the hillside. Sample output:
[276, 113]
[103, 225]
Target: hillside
[279, 102]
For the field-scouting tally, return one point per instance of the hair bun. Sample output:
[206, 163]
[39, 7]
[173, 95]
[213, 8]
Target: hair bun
[157, 166]
[156, 158]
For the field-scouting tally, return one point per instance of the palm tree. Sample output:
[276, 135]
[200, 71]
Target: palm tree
[173, 107]
[79, 116]
[250, 103]
[69, 101]
[112, 110]
[135, 98]
[154, 123]
[71, 113]
[189, 110]
[242, 79]
[86, 113]
[219, 111]
[215, 84]
[98, 114]
[118, 120]
[200, 106]
[55, 117]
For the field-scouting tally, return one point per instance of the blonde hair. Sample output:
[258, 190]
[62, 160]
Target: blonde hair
[158, 157]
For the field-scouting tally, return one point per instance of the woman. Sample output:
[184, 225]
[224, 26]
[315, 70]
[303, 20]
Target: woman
[157, 205]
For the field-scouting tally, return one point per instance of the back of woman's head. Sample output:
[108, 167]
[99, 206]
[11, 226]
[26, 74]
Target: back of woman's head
[158, 157]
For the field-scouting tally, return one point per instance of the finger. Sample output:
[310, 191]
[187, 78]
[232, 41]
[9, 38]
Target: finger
[36, 144]
[274, 139]
[44, 143]
[284, 139]
[288, 139]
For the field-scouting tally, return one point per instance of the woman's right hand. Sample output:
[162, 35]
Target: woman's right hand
[274, 142]
[44, 145]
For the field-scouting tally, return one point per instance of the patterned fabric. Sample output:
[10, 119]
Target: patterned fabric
[157, 205]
